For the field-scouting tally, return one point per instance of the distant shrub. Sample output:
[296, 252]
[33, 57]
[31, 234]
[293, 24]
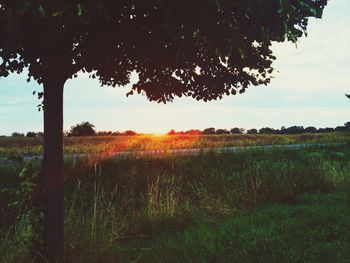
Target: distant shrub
[31, 134]
[252, 131]
[129, 133]
[328, 129]
[83, 129]
[292, 130]
[210, 130]
[267, 130]
[310, 129]
[222, 131]
[17, 134]
[237, 130]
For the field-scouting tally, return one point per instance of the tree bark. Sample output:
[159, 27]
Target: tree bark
[53, 179]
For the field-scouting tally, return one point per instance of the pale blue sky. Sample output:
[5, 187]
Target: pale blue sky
[308, 90]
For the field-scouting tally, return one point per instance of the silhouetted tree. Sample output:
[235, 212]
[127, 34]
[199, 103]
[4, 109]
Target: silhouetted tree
[17, 134]
[209, 131]
[83, 129]
[292, 130]
[237, 130]
[328, 129]
[310, 129]
[31, 134]
[129, 133]
[339, 128]
[203, 49]
[252, 131]
[222, 131]
[267, 130]
[171, 132]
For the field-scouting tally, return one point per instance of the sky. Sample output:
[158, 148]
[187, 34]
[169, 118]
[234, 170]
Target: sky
[307, 90]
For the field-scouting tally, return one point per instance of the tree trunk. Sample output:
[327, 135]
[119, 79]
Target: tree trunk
[53, 182]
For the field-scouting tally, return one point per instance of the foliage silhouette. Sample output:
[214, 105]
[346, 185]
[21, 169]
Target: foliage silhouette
[237, 130]
[17, 134]
[210, 130]
[31, 134]
[83, 129]
[267, 130]
[252, 131]
[222, 131]
[202, 49]
[129, 133]
[310, 129]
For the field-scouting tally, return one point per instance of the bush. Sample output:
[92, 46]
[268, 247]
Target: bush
[31, 134]
[17, 134]
[83, 129]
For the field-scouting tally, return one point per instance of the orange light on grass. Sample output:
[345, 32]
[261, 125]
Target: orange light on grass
[158, 134]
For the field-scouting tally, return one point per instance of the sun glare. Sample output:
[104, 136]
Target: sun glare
[158, 134]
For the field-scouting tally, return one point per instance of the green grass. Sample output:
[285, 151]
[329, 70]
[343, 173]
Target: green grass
[251, 206]
[316, 229]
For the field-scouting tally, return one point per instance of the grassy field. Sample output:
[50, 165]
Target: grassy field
[16, 147]
[255, 206]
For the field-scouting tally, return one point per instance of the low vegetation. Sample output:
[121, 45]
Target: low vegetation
[17, 147]
[254, 206]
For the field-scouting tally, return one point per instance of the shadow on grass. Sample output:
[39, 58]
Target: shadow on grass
[314, 230]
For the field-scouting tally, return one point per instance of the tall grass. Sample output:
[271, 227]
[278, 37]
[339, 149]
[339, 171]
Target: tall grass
[113, 202]
[166, 195]
[16, 147]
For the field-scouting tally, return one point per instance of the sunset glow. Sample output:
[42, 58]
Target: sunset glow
[158, 134]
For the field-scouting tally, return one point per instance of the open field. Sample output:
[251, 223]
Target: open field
[17, 147]
[255, 206]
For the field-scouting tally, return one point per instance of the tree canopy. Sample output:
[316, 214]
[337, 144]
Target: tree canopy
[199, 48]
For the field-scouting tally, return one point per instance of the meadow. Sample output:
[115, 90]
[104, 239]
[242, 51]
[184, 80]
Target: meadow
[17, 147]
[277, 205]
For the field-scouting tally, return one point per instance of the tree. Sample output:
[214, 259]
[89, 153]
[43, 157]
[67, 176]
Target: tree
[83, 129]
[292, 130]
[203, 49]
[340, 129]
[267, 130]
[17, 134]
[252, 131]
[310, 129]
[222, 131]
[172, 132]
[347, 126]
[31, 134]
[237, 130]
[327, 129]
[129, 133]
[210, 130]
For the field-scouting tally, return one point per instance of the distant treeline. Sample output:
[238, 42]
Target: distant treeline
[88, 129]
[267, 130]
